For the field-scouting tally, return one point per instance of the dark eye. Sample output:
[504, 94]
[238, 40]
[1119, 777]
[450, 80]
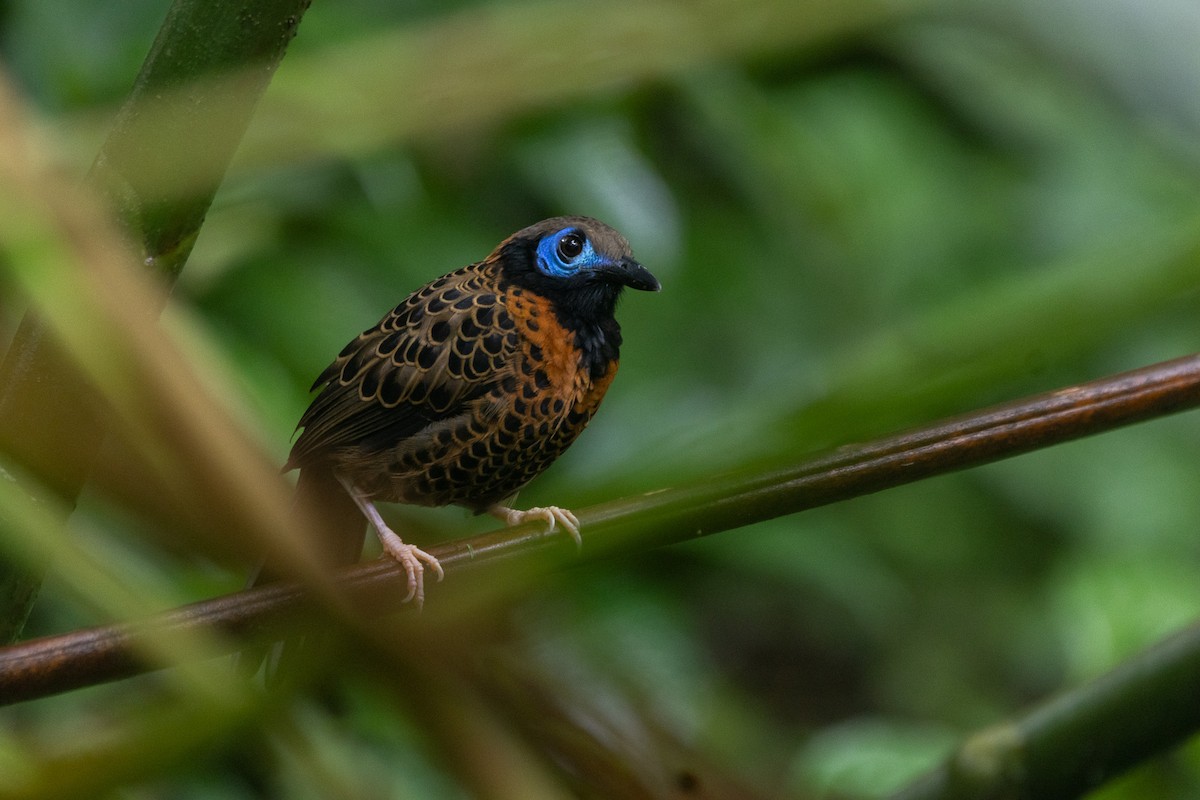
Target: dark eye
[570, 246]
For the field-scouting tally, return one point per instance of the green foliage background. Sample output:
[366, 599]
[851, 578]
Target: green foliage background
[938, 208]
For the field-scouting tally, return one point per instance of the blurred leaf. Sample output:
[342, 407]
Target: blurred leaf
[866, 216]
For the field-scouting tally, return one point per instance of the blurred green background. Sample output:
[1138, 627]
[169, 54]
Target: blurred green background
[863, 219]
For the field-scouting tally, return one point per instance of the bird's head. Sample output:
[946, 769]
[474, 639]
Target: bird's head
[579, 263]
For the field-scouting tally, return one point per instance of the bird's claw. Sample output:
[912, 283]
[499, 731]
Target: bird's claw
[413, 559]
[408, 556]
[553, 516]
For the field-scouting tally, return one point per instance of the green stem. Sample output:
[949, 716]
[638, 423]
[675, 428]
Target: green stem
[51, 423]
[1079, 740]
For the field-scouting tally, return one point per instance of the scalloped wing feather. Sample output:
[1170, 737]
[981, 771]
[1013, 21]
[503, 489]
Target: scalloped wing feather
[445, 346]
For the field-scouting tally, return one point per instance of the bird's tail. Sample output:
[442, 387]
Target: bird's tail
[339, 529]
[332, 517]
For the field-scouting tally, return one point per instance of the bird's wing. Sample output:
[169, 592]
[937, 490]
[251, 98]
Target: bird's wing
[445, 345]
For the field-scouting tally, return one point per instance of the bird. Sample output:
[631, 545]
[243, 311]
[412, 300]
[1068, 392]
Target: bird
[470, 387]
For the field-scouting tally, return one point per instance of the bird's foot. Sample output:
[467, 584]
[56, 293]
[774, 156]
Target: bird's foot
[413, 559]
[553, 516]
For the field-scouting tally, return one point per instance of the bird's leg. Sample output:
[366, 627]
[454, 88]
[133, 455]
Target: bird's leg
[409, 556]
[551, 515]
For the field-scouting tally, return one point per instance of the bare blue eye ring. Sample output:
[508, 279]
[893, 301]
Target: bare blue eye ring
[565, 253]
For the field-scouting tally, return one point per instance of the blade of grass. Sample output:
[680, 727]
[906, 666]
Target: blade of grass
[50, 419]
[344, 100]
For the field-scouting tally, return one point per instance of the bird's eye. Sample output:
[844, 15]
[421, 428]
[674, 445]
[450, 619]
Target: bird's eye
[564, 253]
[570, 246]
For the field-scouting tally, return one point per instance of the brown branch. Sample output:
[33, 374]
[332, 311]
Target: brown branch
[82, 658]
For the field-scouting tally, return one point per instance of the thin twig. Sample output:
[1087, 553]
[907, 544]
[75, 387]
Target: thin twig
[82, 658]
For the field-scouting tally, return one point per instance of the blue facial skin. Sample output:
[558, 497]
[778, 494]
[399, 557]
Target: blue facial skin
[552, 262]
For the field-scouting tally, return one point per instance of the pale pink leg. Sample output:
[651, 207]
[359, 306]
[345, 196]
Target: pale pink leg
[409, 556]
[551, 515]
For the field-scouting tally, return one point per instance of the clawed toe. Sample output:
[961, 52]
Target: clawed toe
[569, 521]
[414, 559]
[553, 516]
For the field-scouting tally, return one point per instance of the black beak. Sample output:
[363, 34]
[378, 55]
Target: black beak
[630, 273]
